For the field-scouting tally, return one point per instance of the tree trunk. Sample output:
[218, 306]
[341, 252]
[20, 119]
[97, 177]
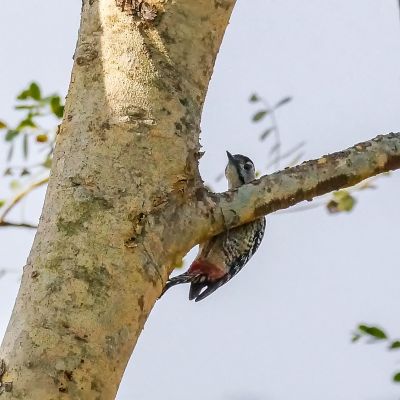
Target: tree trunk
[125, 161]
[125, 200]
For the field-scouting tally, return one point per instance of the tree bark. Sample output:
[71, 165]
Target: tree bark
[128, 146]
[125, 199]
[213, 213]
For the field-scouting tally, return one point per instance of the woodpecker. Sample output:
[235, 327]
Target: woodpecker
[223, 256]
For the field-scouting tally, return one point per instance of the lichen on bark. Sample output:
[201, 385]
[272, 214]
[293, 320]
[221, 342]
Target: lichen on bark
[124, 163]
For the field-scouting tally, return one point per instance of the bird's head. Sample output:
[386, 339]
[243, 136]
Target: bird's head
[240, 170]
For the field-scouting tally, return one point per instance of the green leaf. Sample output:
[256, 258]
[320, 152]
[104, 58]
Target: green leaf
[332, 206]
[373, 331]
[254, 98]
[342, 201]
[32, 92]
[394, 345]
[347, 204]
[56, 107]
[266, 133]
[283, 101]
[60, 112]
[396, 377]
[259, 115]
[24, 95]
[35, 91]
[26, 107]
[2, 202]
[356, 337]
[3, 125]
[11, 135]
[55, 103]
[340, 195]
[26, 123]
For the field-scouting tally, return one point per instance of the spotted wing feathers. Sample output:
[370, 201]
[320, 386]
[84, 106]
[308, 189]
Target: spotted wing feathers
[220, 259]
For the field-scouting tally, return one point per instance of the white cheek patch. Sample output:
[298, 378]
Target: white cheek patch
[248, 166]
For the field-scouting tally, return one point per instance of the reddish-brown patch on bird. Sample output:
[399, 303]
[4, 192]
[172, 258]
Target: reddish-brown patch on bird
[202, 266]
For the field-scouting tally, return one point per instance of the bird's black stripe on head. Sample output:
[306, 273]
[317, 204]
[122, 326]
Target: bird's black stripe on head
[240, 175]
[238, 170]
[237, 166]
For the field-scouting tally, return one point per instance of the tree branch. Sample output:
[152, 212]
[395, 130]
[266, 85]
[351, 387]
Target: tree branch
[17, 199]
[218, 212]
[6, 224]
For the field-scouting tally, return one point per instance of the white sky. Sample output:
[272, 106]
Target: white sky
[281, 329]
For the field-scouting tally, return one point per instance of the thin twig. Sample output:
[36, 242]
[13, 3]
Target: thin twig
[6, 224]
[20, 196]
[288, 153]
[276, 129]
[29, 166]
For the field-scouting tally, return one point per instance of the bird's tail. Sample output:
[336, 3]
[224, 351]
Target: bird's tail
[211, 288]
[177, 280]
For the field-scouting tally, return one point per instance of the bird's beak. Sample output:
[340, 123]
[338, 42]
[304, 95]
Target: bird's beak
[230, 157]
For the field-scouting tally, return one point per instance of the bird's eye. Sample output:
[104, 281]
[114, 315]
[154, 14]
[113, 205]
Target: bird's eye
[247, 166]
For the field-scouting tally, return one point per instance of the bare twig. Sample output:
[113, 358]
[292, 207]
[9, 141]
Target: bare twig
[6, 224]
[287, 154]
[18, 198]
[276, 130]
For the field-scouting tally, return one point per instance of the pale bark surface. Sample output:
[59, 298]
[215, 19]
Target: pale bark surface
[128, 146]
[215, 213]
[125, 200]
